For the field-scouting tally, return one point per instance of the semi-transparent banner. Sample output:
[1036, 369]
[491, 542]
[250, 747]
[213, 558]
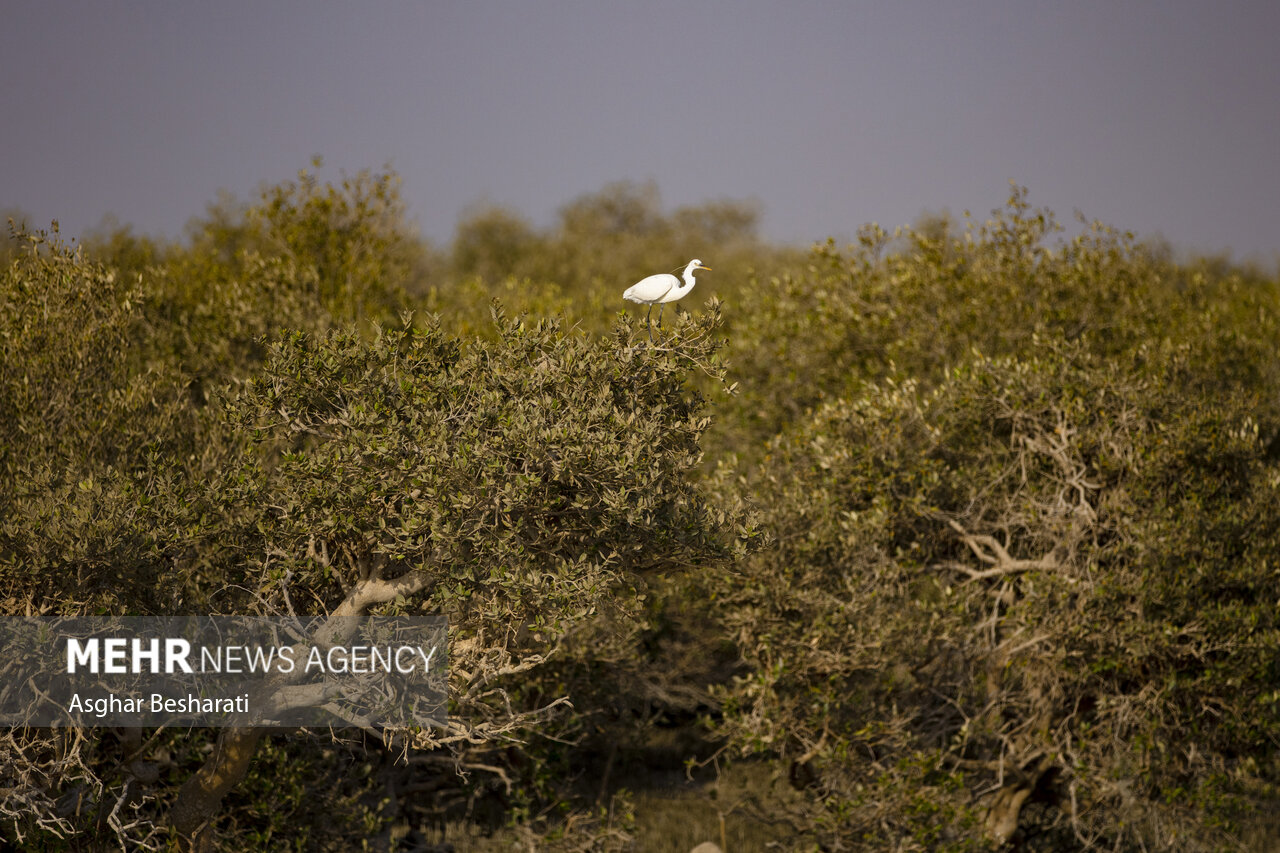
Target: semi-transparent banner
[199, 670]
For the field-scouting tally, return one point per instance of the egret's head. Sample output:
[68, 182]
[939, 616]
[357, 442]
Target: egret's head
[696, 264]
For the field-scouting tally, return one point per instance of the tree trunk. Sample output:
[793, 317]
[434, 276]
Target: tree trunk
[200, 798]
[1002, 816]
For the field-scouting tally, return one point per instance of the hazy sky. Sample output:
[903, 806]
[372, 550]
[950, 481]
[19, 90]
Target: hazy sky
[1160, 117]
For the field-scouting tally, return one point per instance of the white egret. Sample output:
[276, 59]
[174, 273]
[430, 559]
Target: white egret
[661, 289]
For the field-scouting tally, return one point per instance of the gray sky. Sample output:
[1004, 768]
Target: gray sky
[1160, 117]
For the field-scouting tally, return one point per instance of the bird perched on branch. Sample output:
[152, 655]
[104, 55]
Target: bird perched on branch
[661, 289]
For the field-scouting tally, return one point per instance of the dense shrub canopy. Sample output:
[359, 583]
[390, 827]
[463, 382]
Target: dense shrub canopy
[1047, 580]
[968, 531]
[1023, 586]
[528, 476]
[919, 302]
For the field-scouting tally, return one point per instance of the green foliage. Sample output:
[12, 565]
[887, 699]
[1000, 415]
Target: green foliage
[491, 243]
[352, 239]
[1119, 592]
[84, 419]
[526, 472]
[983, 551]
[68, 354]
[921, 301]
[533, 479]
[1048, 576]
[306, 256]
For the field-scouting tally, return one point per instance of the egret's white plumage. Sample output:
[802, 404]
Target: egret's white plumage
[663, 288]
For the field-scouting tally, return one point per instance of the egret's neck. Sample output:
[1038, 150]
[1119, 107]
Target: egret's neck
[688, 276]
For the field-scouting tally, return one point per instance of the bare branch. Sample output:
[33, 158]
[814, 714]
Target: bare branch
[989, 550]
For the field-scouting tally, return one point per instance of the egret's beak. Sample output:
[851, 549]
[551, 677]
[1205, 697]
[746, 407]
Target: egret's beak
[708, 269]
